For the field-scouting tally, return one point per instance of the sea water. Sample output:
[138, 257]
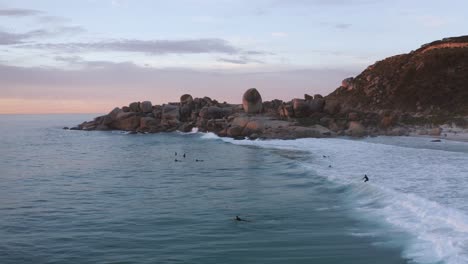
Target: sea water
[110, 197]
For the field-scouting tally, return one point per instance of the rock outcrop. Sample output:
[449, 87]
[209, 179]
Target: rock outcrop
[423, 92]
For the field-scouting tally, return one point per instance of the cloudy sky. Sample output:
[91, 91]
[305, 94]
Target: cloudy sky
[91, 55]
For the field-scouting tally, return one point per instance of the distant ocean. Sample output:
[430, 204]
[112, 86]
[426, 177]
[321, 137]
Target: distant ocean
[108, 197]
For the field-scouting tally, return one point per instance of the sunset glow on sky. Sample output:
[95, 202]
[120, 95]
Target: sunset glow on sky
[87, 56]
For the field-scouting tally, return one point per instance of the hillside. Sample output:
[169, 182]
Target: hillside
[432, 80]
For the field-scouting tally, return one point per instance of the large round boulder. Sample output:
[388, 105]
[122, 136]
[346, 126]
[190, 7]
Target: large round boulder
[252, 101]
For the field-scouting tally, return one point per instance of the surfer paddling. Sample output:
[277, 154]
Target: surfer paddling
[240, 219]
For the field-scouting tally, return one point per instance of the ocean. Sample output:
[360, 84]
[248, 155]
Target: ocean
[110, 197]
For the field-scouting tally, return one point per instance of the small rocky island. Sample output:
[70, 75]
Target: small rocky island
[424, 92]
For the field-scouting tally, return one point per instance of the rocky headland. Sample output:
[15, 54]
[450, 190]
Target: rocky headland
[424, 92]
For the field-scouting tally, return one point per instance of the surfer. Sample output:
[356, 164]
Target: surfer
[184, 156]
[176, 154]
[240, 219]
[329, 166]
[197, 160]
[366, 179]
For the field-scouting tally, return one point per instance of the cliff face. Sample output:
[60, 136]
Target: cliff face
[432, 79]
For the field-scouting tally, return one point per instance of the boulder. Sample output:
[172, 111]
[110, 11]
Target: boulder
[113, 114]
[186, 99]
[234, 131]
[186, 127]
[126, 109]
[286, 110]
[185, 112]
[146, 107]
[124, 115]
[348, 83]
[252, 101]
[157, 113]
[316, 105]
[241, 121]
[104, 120]
[356, 129]
[255, 126]
[170, 112]
[301, 108]
[318, 96]
[129, 123]
[308, 97]
[147, 123]
[271, 107]
[134, 107]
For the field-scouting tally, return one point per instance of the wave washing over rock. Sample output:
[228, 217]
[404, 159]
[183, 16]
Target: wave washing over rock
[420, 93]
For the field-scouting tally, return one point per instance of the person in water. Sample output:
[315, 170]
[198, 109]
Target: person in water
[366, 179]
[184, 156]
[240, 219]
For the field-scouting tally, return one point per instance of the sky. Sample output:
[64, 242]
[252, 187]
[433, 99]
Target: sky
[88, 56]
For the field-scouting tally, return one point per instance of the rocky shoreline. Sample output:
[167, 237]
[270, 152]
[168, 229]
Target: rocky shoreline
[314, 116]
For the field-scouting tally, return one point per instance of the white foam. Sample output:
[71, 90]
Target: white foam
[420, 192]
[209, 135]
